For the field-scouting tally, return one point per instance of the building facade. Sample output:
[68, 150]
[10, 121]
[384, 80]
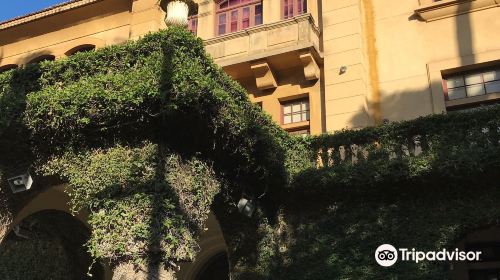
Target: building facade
[315, 66]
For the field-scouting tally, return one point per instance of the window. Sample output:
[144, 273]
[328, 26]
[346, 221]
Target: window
[235, 15]
[293, 8]
[82, 48]
[295, 111]
[7, 67]
[42, 58]
[193, 24]
[472, 84]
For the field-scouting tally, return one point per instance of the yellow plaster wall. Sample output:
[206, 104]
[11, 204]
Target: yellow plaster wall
[407, 47]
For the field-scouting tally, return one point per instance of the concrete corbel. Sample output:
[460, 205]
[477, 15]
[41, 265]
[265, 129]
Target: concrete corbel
[311, 68]
[264, 77]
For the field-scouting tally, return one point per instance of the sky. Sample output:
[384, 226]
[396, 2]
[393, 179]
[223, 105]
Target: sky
[14, 8]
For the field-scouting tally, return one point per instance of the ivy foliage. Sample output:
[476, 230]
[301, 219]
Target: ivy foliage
[154, 202]
[373, 188]
[145, 134]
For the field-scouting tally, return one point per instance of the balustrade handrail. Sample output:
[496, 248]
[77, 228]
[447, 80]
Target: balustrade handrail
[443, 133]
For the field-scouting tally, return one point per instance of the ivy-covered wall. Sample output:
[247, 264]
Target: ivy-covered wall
[146, 135]
[420, 184]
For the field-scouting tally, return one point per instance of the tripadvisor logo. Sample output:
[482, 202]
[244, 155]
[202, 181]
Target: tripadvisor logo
[387, 255]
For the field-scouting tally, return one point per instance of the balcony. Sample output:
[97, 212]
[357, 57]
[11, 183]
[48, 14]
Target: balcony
[263, 49]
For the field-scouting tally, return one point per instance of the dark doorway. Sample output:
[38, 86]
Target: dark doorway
[48, 245]
[217, 268]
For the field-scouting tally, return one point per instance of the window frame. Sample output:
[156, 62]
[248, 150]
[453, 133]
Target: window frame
[463, 74]
[283, 104]
[295, 8]
[193, 18]
[228, 11]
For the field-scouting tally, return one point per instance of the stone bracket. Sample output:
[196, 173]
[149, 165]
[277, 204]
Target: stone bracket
[311, 68]
[264, 76]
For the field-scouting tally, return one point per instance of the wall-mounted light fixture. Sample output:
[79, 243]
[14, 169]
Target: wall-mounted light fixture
[342, 70]
[20, 183]
[246, 207]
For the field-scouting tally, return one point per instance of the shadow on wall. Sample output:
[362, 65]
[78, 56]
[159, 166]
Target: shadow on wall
[464, 35]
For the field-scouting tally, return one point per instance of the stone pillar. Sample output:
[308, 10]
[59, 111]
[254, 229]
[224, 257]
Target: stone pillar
[127, 271]
[346, 93]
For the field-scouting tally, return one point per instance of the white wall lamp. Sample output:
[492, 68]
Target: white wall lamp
[342, 70]
[246, 207]
[20, 183]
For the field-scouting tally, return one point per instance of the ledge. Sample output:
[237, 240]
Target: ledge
[296, 126]
[472, 100]
[66, 6]
[266, 40]
[447, 8]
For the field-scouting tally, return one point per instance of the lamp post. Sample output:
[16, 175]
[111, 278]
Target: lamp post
[177, 11]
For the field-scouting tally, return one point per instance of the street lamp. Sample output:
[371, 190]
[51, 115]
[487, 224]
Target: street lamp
[177, 11]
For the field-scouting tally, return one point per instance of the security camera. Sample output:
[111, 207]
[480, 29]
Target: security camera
[20, 183]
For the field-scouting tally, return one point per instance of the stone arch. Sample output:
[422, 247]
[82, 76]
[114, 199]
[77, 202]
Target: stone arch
[49, 243]
[75, 45]
[7, 67]
[57, 200]
[39, 57]
[486, 240]
[80, 48]
[54, 198]
[211, 243]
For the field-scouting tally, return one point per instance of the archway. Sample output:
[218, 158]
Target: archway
[48, 244]
[217, 268]
[212, 260]
[487, 241]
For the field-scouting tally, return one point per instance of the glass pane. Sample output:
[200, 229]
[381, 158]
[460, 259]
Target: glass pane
[296, 108]
[223, 5]
[258, 14]
[246, 18]
[222, 24]
[287, 119]
[299, 6]
[473, 79]
[296, 118]
[475, 90]
[285, 7]
[305, 106]
[491, 76]
[287, 109]
[493, 87]
[305, 116]
[456, 93]
[455, 82]
[234, 21]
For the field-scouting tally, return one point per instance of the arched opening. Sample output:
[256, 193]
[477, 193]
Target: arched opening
[48, 243]
[212, 260]
[81, 48]
[7, 67]
[487, 241]
[47, 57]
[217, 268]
